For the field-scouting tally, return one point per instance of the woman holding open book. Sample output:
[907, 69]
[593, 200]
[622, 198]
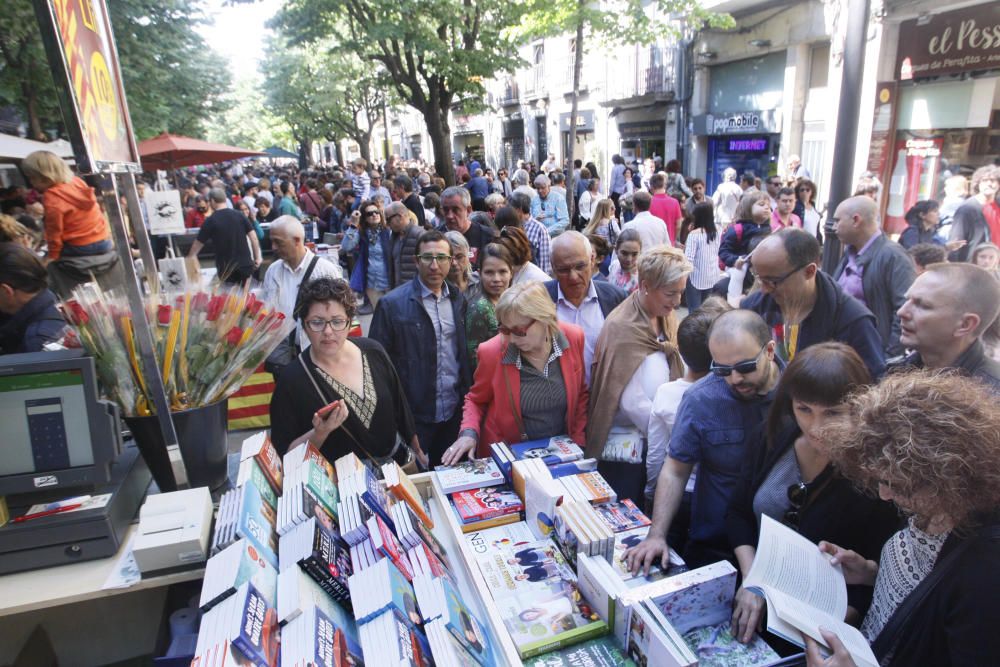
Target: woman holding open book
[930, 443]
[529, 383]
[789, 477]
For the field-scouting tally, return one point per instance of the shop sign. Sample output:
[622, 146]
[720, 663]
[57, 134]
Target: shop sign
[923, 148]
[584, 121]
[653, 129]
[883, 129]
[744, 122]
[964, 40]
[81, 50]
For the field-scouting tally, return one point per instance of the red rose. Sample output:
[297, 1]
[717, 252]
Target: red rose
[254, 305]
[75, 312]
[163, 315]
[234, 336]
[215, 305]
[279, 320]
[779, 331]
[200, 301]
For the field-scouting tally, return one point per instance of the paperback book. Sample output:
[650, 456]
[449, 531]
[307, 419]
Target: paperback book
[438, 599]
[260, 448]
[232, 567]
[321, 555]
[390, 641]
[469, 474]
[510, 570]
[551, 451]
[483, 504]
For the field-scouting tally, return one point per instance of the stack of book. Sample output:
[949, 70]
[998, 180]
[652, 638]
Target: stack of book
[469, 474]
[308, 493]
[232, 567]
[312, 547]
[242, 629]
[487, 507]
[440, 603]
[245, 513]
[315, 630]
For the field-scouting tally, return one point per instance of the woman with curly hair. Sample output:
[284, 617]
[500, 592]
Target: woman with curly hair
[930, 443]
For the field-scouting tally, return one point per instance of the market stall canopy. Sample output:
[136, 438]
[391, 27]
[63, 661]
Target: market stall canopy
[16, 148]
[170, 151]
[277, 152]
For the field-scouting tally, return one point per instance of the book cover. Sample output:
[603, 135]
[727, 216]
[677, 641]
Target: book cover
[502, 456]
[622, 515]
[322, 487]
[399, 484]
[699, 597]
[335, 640]
[250, 470]
[628, 539]
[488, 503]
[237, 564]
[482, 541]
[551, 451]
[256, 522]
[649, 642]
[596, 487]
[259, 447]
[519, 569]
[600, 652]
[548, 617]
[572, 468]
[473, 526]
[715, 646]
[541, 497]
[446, 649]
[469, 474]
[257, 637]
[623, 445]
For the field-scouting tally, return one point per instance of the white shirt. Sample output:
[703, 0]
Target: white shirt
[281, 284]
[636, 401]
[588, 204]
[588, 316]
[666, 402]
[704, 256]
[652, 230]
[529, 271]
[726, 199]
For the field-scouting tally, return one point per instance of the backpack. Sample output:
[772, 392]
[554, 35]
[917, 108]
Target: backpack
[738, 227]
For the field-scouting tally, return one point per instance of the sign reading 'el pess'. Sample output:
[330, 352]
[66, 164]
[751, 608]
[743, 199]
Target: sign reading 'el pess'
[964, 40]
[81, 51]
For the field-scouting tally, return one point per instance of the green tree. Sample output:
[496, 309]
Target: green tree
[610, 23]
[434, 52]
[173, 80]
[246, 121]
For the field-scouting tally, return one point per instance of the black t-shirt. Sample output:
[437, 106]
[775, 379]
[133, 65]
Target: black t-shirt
[478, 236]
[227, 230]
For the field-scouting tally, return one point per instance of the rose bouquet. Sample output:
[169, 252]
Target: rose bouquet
[207, 343]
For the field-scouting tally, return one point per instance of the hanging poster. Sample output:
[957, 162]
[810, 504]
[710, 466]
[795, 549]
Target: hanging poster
[166, 216]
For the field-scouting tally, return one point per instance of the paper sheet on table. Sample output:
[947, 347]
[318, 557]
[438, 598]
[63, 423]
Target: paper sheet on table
[125, 573]
[91, 503]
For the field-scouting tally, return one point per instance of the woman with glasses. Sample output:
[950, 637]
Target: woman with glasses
[481, 318]
[369, 240]
[530, 381]
[516, 242]
[930, 443]
[789, 477]
[460, 273]
[370, 415]
[636, 353]
[805, 208]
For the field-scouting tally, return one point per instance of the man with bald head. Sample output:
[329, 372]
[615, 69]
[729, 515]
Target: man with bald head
[874, 269]
[717, 417]
[402, 243]
[947, 309]
[804, 306]
[579, 299]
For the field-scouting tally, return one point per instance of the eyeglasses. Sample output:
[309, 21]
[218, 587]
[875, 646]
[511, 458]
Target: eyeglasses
[520, 332]
[576, 268]
[774, 282]
[320, 325]
[743, 367]
[429, 259]
[372, 212]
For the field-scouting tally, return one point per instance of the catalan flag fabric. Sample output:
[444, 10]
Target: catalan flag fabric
[250, 406]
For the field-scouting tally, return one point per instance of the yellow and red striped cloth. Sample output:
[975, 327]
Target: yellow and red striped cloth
[250, 407]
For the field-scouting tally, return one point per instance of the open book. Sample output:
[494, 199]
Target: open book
[803, 591]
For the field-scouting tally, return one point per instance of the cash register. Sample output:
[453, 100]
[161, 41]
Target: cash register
[60, 439]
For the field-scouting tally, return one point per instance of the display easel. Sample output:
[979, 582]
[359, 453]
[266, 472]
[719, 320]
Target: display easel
[81, 51]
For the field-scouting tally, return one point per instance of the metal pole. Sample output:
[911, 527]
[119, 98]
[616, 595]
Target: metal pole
[133, 290]
[848, 110]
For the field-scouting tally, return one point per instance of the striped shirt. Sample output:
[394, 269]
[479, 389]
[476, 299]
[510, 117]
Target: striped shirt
[705, 258]
[543, 392]
[541, 244]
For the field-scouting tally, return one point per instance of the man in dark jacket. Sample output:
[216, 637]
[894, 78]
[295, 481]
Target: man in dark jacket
[402, 191]
[456, 206]
[29, 317]
[421, 326]
[947, 309]
[971, 222]
[579, 299]
[403, 244]
[874, 269]
[803, 306]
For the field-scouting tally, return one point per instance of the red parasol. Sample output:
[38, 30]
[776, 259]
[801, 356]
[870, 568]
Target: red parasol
[170, 151]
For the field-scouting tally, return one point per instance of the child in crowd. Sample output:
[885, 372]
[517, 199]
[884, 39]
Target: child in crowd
[361, 183]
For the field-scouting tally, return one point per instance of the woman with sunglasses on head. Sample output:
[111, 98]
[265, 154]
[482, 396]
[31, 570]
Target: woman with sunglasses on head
[530, 381]
[369, 239]
[370, 415]
[788, 476]
[805, 208]
[930, 443]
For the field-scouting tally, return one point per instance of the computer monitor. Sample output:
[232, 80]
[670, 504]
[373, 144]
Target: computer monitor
[55, 431]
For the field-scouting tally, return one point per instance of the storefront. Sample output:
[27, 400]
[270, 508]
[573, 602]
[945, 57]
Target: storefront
[584, 134]
[468, 138]
[941, 118]
[747, 141]
[642, 140]
[512, 137]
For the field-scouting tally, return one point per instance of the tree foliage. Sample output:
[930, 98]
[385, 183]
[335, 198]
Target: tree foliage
[173, 80]
[246, 121]
[434, 52]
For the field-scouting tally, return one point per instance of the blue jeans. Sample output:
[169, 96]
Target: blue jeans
[694, 296]
[98, 248]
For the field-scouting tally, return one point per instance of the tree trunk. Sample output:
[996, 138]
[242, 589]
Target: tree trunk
[364, 140]
[305, 153]
[440, 134]
[574, 107]
[340, 152]
[31, 106]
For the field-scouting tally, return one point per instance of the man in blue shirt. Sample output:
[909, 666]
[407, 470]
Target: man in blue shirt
[549, 207]
[718, 415]
[479, 189]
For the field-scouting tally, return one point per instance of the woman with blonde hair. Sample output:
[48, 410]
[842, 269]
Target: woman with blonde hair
[603, 222]
[930, 443]
[530, 381]
[636, 352]
[78, 236]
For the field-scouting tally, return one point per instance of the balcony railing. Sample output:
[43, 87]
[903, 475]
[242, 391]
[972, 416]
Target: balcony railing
[534, 80]
[649, 72]
[510, 94]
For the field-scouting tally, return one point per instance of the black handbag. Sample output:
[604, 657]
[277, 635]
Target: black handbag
[288, 349]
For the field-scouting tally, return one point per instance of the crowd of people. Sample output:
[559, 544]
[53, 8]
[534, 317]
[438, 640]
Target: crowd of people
[689, 342]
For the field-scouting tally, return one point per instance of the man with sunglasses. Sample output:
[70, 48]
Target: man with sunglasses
[716, 418]
[421, 326]
[803, 306]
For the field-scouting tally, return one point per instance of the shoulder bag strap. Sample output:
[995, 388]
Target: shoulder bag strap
[890, 635]
[513, 406]
[323, 399]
